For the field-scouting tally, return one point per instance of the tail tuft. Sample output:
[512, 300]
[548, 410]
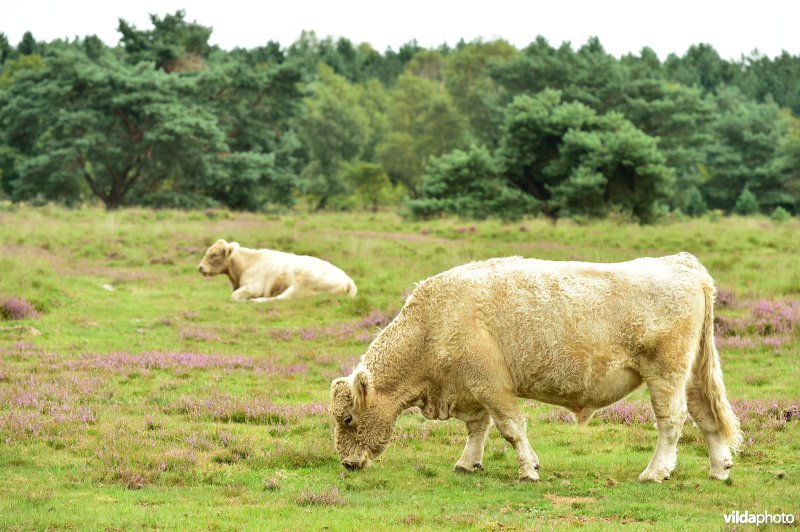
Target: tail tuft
[709, 371]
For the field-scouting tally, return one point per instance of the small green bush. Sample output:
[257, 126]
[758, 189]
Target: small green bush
[747, 203]
[695, 203]
[780, 215]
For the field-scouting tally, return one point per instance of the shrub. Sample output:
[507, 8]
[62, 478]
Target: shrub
[780, 215]
[467, 184]
[695, 204]
[747, 203]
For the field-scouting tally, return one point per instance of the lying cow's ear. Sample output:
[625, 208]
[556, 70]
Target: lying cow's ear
[360, 389]
[230, 248]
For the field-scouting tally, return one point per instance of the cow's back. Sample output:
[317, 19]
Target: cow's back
[561, 321]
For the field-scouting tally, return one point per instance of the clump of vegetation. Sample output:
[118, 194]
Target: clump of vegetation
[780, 215]
[696, 205]
[468, 184]
[747, 203]
[17, 308]
[325, 497]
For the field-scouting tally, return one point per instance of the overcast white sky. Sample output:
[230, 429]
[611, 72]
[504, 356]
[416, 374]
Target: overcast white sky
[733, 27]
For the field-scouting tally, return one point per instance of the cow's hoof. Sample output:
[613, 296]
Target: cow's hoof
[462, 469]
[722, 471]
[531, 476]
[654, 476]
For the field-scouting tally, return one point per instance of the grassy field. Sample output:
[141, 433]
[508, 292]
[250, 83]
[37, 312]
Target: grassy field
[138, 396]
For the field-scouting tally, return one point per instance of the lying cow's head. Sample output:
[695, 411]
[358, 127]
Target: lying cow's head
[363, 423]
[217, 258]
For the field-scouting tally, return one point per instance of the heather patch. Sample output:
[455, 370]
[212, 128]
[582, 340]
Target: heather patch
[198, 334]
[32, 406]
[725, 298]
[260, 411]
[126, 362]
[626, 413]
[735, 342]
[757, 412]
[766, 318]
[343, 370]
[556, 414]
[361, 331]
[17, 308]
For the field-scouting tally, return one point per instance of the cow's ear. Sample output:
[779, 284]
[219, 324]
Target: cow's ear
[230, 248]
[361, 388]
[341, 397]
[339, 386]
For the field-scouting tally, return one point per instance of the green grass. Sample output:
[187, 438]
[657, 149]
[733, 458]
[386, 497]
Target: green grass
[111, 418]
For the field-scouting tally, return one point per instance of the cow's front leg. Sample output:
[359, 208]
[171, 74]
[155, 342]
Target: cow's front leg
[511, 424]
[472, 457]
[245, 293]
[286, 294]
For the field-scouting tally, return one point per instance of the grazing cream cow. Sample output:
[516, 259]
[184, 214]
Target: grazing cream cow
[472, 340]
[261, 275]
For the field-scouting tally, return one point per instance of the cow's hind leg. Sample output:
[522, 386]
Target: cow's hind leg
[472, 457]
[667, 395]
[719, 451]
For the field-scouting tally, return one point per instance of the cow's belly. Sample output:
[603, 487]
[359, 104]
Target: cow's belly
[583, 382]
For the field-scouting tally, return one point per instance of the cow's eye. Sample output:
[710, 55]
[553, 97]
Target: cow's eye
[348, 420]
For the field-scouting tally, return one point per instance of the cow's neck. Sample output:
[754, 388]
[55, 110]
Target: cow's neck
[396, 363]
[233, 275]
[238, 262]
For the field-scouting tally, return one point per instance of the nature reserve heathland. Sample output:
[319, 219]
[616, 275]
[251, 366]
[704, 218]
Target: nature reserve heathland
[134, 393]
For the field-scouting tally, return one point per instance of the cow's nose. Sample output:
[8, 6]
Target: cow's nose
[200, 268]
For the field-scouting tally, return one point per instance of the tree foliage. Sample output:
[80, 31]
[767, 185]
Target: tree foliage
[578, 162]
[480, 129]
[468, 184]
[425, 124]
[334, 128]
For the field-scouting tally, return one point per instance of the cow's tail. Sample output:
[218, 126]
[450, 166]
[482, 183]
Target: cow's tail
[708, 372]
[351, 288]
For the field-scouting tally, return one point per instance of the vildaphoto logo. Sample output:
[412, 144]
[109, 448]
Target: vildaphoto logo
[747, 518]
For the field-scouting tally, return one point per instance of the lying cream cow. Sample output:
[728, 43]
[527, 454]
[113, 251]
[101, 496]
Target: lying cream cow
[262, 275]
[471, 341]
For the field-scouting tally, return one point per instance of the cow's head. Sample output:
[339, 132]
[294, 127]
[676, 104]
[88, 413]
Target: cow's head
[217, 258]
[363, 421]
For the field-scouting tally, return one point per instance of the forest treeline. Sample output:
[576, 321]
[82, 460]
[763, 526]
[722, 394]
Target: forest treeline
[480, 129]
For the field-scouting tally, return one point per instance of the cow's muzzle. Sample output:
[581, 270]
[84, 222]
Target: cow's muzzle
[351, 466]
[355, 462]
